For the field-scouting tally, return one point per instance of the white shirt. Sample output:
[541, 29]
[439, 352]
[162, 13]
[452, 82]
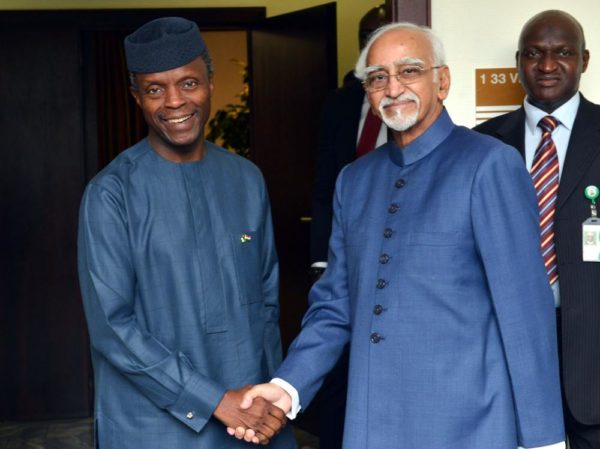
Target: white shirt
[561, 135]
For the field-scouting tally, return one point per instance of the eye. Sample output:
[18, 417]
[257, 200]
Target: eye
[153, 91]
[410, 71]
[377, 79]
[380, 76]
[531, 53]
[565, 52]
[190, 84]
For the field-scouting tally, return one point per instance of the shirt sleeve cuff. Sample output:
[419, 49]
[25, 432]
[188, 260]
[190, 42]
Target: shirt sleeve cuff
[293, 394]
[560, 445]
[319, 265]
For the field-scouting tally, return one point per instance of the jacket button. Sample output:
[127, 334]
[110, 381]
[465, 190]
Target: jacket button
[384, 258]
[378, 309]
[190, 415]
[400, 183]
[381, 283]
[393, 208]
[376, 338]
[387, 233]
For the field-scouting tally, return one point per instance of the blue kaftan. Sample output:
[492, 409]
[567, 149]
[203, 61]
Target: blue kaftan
[179, 278]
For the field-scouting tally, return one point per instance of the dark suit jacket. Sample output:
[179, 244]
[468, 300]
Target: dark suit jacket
[579, 281]
[338, 133]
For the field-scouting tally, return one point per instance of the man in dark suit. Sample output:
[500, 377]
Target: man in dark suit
[550, 59]
[342, 124]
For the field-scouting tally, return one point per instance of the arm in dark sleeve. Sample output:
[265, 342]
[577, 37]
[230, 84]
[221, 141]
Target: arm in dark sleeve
[338, 130]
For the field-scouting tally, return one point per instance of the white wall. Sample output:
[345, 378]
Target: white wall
[484, 34]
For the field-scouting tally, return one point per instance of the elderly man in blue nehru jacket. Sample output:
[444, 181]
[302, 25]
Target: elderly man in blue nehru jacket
[178, 268]
[434, 275]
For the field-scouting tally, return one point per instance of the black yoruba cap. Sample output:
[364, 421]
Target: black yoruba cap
[163, 44]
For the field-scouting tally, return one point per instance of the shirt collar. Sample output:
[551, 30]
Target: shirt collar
[565, 113]
[424, 144]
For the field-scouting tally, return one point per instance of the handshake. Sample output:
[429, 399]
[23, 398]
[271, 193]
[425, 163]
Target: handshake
[254, 413]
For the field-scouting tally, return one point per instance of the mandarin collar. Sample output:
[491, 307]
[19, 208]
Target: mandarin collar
[424, 144]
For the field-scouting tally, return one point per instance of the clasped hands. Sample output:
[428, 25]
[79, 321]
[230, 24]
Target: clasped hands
[254, 414]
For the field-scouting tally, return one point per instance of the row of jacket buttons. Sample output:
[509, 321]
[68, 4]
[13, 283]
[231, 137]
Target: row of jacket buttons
[385, 258]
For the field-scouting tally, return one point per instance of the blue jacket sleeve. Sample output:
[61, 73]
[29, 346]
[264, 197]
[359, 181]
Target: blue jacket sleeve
[506, 227]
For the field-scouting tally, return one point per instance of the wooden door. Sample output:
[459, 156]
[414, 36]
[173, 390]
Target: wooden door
[293, 64]
[44, 360]
[416, 11]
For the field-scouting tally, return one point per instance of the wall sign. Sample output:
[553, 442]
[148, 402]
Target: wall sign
[497, 91]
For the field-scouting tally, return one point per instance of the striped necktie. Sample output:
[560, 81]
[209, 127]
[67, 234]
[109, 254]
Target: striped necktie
[544, 173]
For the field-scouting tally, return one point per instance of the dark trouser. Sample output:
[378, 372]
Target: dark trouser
[580, 435]
[333, 404]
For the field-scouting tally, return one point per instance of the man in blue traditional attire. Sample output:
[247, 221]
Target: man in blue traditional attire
[435, 277]
[178, 268]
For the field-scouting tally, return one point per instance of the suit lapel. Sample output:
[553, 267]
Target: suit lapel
[512, 130]
[584, 147]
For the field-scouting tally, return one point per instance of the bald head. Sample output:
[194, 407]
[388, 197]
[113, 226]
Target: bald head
[554, 18]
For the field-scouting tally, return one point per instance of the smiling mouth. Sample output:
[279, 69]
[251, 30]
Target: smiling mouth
[179, 119]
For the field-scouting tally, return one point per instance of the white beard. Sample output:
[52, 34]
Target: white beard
[399, 122]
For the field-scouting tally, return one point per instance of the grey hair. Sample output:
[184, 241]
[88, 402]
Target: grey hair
[439, 57]
[205, 57]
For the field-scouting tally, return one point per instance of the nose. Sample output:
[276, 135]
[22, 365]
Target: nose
[173, 97]
[394, 87]
[547, 63]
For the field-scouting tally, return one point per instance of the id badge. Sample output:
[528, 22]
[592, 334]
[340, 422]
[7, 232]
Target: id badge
[591, 240]
[591, 227]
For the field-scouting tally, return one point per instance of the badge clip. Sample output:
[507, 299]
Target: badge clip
[591, 192]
